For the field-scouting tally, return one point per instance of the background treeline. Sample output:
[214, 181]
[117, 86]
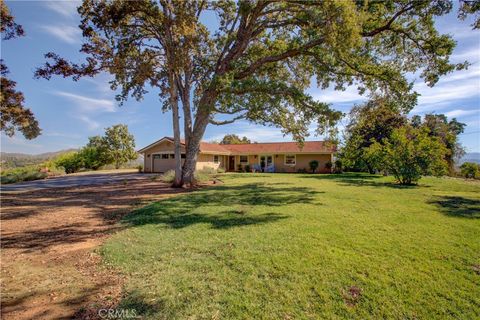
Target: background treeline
[381, 138]
[115, 149]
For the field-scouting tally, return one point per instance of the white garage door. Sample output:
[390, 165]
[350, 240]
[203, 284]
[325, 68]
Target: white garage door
[163, 162]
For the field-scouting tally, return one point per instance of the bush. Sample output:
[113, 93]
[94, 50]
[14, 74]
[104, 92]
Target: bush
[201, 176]
[71, 162]
[302, 170]
[338, 166]
[168, 176]
[239, 168]
[313, 165]
[247, 168]
[470, 170]
[90, 158]
[220, 170]
[328, 166]
[22, 174]
[140, 168]
[207, 170]
[410, 153]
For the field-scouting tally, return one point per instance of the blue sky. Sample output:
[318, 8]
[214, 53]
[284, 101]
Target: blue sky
[69, 112]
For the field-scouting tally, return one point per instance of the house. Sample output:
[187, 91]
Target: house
[266, 157]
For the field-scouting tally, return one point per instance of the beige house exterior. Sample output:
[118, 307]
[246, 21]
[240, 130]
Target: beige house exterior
[260, 157]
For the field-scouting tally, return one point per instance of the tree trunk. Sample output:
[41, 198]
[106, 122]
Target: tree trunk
[193, 146]
[177, 182]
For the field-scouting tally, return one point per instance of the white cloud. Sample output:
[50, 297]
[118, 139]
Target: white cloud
[470, 54]
[332, 96]
[66, 8]
[89, 104]
[62, 135]
[101, 83]
[450, 89]
[460, 113]
[65, 33]
[91, 124]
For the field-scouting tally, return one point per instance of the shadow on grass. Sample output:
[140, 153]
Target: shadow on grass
[136, 305]
[201, 207]
[458, 206]
[361, 180]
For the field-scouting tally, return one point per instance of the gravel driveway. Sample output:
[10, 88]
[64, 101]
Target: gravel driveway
[71, 181]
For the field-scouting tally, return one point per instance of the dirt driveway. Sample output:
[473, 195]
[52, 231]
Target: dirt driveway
[49, 267]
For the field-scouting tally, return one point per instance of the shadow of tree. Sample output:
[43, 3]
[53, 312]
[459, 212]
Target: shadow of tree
[181, 212]
[362, 180]
[458, 206]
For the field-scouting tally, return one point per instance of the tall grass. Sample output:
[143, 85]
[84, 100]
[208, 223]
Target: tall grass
[29, 173]
[202, 175]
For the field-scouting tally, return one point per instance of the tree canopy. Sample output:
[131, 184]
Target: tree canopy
[258, 61]
[14, 116]
[447, 131]
[370, 122]
[117, 146]
[234, 139]
[410, 153]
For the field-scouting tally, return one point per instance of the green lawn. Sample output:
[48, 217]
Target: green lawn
[289, 246]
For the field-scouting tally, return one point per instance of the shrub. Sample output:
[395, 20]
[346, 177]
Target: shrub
[338, 166]
[410, 153]
[220, 170]
[207, 170]
[22, 174]
[470, 170]
[247, 168]
[201, 176]
[302, 170]
[140, 168]
[239, 168]
[90, 158]
[313, 165]
[168, 176]
[71, 162]
[328, 166]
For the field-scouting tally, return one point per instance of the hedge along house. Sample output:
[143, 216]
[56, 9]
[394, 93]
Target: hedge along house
[262, 157]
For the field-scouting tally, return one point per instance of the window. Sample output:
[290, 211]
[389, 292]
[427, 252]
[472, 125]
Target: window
[164, 156]
[183, 156]
[156, 156]
[172, 155]
[215, 159]
[290, 159]
[243, 159]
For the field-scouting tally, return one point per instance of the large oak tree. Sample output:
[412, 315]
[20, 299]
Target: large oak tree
[229, 60]
[14, 116]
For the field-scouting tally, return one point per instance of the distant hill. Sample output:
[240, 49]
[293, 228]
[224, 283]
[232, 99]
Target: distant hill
[471, 157]
[13, 160]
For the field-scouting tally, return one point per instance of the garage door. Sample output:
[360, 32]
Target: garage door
[163, 162]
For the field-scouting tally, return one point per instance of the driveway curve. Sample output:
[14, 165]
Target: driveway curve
[72, 181]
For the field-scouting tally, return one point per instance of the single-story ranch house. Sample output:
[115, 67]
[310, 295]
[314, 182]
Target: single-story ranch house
[264, 157]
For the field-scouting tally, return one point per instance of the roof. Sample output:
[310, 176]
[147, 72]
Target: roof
[280, 147]
[256, 148]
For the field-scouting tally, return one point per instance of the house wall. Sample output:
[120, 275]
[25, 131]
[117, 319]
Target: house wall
[304, 159]
[206, 161]
[164, 146]
[302, 162]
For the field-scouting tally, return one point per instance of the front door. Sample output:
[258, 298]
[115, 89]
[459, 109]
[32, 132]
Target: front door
[231, 163]
[265, 161]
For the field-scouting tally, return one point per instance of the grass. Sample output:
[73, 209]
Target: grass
[285, 246]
